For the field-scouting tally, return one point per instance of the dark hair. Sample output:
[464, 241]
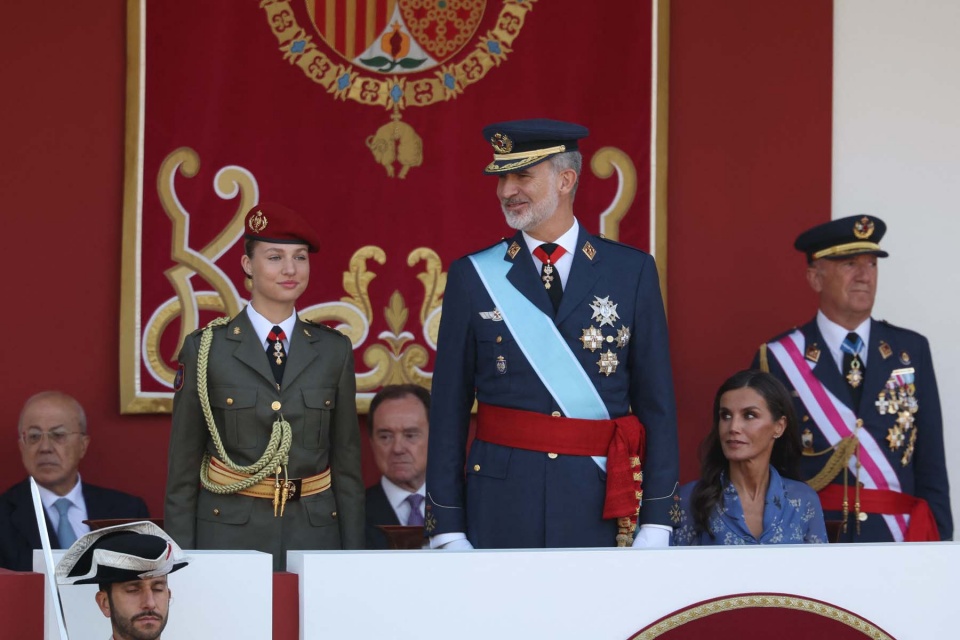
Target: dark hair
[395, 392]
[785, 457]
[248, 245]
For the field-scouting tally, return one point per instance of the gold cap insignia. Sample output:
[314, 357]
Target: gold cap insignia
[258, 222]
[863, 228]
[813, 353]
[513, 250]
[588, 250]
[501, 143]
[885, 350]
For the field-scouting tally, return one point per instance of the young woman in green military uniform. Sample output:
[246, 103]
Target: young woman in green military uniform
[265, 415]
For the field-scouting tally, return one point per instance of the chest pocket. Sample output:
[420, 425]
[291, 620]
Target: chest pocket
[235, 411]
[496, 357]
[319, 405]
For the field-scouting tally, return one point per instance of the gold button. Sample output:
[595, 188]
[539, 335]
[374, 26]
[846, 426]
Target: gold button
[862, 517]
[476, 467]
[806, 418]
[333, 515]
[326, 403]
[216, 512]
[499, 339]
[229, 401]
[552, 456]
[276, 405]
[555, 414]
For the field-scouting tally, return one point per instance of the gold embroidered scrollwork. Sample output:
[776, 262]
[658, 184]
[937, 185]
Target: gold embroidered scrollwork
[604, 163]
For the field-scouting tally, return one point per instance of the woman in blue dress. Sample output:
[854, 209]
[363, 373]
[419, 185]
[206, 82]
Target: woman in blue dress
[749, 492]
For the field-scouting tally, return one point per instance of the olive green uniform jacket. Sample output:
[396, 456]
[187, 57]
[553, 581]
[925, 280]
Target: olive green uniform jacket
[317, 397]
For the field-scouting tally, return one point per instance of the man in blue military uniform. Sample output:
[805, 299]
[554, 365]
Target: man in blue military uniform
[560, 336]
[867, 396]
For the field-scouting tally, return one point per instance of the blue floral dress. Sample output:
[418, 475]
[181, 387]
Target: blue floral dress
[791, 515]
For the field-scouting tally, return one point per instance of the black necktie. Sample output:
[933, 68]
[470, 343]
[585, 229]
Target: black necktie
[853, 369]
[549, 253]
[275, 353]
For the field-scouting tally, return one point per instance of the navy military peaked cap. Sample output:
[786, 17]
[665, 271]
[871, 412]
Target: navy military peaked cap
[519, 144]
[843, 238]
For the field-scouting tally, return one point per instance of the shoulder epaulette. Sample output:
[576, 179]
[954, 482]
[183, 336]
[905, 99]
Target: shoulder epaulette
[320, 325]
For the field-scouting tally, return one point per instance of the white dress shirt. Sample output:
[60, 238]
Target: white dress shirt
[834, 335]
[397, 497]
[262, 327]
[78, 508]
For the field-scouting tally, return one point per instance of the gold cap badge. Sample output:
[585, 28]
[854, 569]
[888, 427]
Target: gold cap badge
[501, 143]
[258, 222]
[863, 228]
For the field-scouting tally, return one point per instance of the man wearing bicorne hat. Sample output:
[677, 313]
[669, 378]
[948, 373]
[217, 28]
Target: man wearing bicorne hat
[867, 396]
[130, 563]
[560, 337]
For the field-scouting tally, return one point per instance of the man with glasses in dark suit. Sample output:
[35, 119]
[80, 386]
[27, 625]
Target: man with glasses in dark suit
[52, 434]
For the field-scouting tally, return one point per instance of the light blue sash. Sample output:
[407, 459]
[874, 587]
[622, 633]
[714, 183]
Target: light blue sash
[540, 341]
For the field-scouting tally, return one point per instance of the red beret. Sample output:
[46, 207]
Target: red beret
[272, 222]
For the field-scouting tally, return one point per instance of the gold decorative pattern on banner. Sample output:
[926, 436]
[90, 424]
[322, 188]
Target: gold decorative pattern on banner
[604, 163]
[762, 600]
[377, 81]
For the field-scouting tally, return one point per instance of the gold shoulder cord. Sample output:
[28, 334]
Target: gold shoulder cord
[275, 456]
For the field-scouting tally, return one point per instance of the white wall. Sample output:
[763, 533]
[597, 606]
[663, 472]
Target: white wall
[896, 154]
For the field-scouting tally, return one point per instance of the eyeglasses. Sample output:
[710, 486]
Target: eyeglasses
[33, 437]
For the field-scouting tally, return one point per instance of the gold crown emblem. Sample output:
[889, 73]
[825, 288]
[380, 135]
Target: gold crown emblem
[501, 143]
[258, 222]
[863, 228]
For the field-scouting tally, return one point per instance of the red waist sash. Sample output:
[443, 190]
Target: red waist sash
[621, 440]
[922, 527]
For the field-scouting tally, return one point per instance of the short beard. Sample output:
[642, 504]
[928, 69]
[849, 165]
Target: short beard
[535, 214]
[125, 625]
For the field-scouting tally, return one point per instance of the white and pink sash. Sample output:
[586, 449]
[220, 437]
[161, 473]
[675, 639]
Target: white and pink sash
[837, 421]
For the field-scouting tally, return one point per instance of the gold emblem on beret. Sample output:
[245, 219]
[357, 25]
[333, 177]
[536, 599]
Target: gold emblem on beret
[258, 222]
[513, 250]
[501, 143]
[588, 250]
[863, 228]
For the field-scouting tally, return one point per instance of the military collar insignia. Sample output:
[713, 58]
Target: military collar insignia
[588, 250]
[813, 353]
[513, 250]
[307, 333]
[863, 228]
[236, 331]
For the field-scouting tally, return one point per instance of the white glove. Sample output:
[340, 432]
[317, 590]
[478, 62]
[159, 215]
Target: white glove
[456, 540]
[460, 544]
[652, 536]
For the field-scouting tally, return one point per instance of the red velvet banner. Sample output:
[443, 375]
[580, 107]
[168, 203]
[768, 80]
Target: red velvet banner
[365, 116]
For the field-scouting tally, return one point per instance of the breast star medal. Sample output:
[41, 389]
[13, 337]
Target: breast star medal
[604, 311]
[608, 363]
[592, 338]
